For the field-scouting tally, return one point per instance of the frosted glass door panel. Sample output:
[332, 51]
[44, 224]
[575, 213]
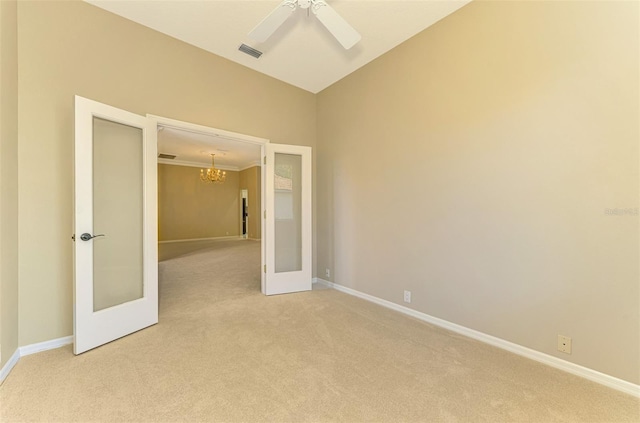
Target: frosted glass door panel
[288, 212]
[118, 177]
[288, 235]
[115, 276]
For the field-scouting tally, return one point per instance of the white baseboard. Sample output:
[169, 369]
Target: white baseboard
[46, 345]
[6, 369]
[217, 238]
[32, 349]
[558, 363]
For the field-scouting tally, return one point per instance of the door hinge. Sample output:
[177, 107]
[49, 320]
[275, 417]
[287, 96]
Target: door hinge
[73, 237]
[265, 160]
[265, 214]
[265, 268]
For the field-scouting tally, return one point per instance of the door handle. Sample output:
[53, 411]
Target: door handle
[88, 237]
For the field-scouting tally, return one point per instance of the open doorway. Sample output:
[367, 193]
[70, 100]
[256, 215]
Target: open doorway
[209, 187]
[286, 235]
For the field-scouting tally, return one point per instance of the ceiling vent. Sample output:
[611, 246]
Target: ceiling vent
[250, 51]
[166, 156]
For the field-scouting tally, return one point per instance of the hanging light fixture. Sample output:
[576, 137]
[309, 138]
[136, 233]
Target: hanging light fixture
[213, 174]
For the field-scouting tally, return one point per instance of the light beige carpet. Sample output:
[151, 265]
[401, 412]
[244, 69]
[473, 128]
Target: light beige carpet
[224, 352]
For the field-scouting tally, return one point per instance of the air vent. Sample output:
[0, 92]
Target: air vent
[166, 156]
[250, 51]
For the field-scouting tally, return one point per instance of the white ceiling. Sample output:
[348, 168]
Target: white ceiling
[301, 52]
[195, 149]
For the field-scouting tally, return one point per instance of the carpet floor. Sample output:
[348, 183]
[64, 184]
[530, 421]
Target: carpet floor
[224, 352]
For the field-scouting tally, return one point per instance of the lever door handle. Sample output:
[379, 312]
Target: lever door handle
[87, 237]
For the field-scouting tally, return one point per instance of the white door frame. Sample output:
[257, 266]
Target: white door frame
[156, 121]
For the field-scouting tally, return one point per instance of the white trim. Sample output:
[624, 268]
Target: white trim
[207, 165]
[558, 363]
[9, 365]
[207, 130]
[175, 162]
[45, 346]
[250, 165]
[32, 349]
[217, 238]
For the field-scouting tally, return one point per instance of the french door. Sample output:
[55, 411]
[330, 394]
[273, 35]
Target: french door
[115, 224]
[288, 234]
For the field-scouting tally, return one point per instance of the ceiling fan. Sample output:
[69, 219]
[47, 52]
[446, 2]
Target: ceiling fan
[337, 26]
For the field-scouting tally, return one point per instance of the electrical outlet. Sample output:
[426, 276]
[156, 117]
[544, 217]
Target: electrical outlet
[327, 272]
[564, 344]
[407, 296]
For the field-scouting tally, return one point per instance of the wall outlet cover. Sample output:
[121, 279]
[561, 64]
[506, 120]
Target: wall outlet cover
[564, 344]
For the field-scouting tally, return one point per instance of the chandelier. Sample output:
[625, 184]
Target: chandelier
[213, 174]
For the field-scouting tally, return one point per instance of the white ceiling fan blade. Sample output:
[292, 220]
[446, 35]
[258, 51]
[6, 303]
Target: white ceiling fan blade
[272, 22]
[337, 26]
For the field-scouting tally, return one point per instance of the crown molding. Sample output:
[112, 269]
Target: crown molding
[250, 165]
[199, 165]
[206, 166]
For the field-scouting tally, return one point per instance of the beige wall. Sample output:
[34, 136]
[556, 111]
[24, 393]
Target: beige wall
[70, 47]
[189, 208]
[8, 180]
[250, 179]
[497, 138]
[474, 164]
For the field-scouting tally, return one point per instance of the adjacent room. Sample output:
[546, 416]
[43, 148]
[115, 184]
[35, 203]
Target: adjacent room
[209, 191]
[209, 197]
[473, 193]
